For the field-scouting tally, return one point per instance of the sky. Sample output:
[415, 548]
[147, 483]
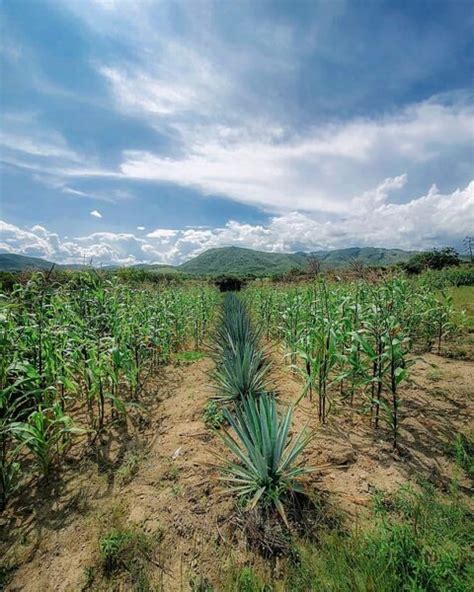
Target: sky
[151, 130]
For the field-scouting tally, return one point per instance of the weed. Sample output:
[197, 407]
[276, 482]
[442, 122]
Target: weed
[418, 541]
[462, 450]
[172, 473]
[200, 584]
[128, 552]
[246, 580]
[434, 374]
[89, 578]
[129, 466]
[188, 357]
[213, 415]
[177, 490]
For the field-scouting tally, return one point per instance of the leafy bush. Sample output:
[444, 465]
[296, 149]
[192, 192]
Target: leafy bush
[435, 259]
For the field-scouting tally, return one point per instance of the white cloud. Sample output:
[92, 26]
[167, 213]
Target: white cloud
[96, 214]
[432, 220]
[54, 146]
[320, 171]
[162, 233]
[140, 228]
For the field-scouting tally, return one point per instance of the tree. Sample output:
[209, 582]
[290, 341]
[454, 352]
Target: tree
[468, 243]
[313, 266]
[435, 259]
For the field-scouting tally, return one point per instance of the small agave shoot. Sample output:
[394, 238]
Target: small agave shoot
[268, 467]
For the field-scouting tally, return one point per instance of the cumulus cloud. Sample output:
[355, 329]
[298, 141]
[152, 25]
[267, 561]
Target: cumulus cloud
[319, 171]
[96, 214]
[432, 220]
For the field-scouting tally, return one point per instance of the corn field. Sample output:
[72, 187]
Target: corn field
[83, 349]
[353, 343]
[75, 359]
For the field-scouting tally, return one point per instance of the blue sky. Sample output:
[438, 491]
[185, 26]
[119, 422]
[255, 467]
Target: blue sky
[142, 130]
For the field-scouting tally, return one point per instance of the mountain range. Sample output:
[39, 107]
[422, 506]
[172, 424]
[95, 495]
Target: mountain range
[237, 260]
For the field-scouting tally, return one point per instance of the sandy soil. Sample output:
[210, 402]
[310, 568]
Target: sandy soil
[51, 534]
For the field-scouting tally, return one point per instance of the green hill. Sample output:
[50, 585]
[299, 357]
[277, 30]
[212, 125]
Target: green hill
[13, 262]
[367, 255]
[237, 261]
[156, 268]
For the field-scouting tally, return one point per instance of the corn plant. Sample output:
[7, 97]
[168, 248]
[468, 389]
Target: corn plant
[356, 336]
[86, 345]
[46, 434]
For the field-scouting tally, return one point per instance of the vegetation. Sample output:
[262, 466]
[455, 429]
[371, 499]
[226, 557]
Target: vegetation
[268, 467]
[462, 450]
[235, 261]
[90, 342]
[241, 365]
[351, 342]
[419, 541]
[77, 351]
[448, 277]
[213, 415]
[435, 259]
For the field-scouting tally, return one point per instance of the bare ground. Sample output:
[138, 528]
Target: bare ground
[50, 534]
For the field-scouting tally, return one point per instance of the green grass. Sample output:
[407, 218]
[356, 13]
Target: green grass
[418, 541]
[463, 299]
[246, 580]
[462, 450]
[189, 357]
[125, 554]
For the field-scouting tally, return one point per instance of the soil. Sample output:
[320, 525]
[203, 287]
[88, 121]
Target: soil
[50, 533]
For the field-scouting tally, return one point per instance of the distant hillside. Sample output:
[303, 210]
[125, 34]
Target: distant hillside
[236, 260]
[366, 255]
[156, 268]
[12, 262]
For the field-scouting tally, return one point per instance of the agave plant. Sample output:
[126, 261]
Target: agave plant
[241, 373]
[241, 366]
[235, 328]
[267, 466]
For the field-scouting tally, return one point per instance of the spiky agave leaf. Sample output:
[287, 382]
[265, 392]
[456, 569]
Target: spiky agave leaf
[267, 465]
[241, 373]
